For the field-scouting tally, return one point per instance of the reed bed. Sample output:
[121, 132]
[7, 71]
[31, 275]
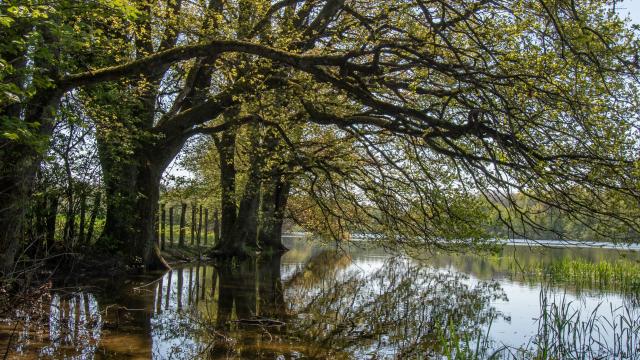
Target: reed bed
[564, 331]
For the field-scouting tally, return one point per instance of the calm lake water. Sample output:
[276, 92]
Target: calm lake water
[322, 302]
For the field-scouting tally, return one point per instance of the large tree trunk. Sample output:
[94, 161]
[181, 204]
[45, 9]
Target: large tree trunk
[19, 163]
[132, 203]
[275, 192]
[120, 199]
[282, 196]
[18, 167]
[227, 183]
[239, 230]
[133, 192]
[227, 246]
[246, 226]
[147, 207]
[20, 159]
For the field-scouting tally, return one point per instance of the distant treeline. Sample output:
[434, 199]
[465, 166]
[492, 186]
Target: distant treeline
[536, 221]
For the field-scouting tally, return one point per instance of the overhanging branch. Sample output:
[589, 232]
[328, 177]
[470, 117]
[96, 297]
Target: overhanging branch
[215, 47]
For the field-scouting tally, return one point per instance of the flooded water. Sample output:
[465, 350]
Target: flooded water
[323, 302]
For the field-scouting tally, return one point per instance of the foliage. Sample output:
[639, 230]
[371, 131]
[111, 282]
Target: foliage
[423, 122]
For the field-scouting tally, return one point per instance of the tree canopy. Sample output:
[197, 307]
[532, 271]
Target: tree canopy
[419, 121]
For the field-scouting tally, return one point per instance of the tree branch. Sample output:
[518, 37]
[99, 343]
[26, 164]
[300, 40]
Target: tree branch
[214, 47]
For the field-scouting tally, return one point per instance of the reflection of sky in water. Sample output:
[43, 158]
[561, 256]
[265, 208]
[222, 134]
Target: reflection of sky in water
[523, 310]
[176, 315]
[521, 307]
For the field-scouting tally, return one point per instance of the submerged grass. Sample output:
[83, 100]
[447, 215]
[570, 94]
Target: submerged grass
[614, 273]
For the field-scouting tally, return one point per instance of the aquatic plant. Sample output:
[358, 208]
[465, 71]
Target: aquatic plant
[565, 332]
[620, 274]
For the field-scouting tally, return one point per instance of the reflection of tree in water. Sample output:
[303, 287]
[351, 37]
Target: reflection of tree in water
[327, 307]
[69, 326]
[335, 310]
[74, 326]
[323, 265]
[399, 310]
[231, 309]
[237, 284]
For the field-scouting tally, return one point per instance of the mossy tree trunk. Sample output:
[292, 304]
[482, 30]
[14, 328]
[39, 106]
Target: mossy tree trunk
[133, 192]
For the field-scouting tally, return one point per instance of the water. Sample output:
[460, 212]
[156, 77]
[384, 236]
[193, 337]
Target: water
[322, 302]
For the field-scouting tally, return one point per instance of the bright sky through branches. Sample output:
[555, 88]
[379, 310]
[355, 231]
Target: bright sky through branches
[631, 8]
[624, 8]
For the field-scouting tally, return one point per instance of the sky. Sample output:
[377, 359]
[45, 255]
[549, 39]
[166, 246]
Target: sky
[632, 8]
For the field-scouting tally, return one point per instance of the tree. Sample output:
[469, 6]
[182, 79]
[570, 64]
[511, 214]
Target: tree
[40, 44]
[446, 102]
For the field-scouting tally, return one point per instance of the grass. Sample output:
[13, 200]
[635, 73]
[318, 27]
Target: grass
[608, 272]
[564, 332]
[621, 275]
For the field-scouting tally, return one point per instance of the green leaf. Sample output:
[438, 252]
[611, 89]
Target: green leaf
[6, 21]
[10, 136]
